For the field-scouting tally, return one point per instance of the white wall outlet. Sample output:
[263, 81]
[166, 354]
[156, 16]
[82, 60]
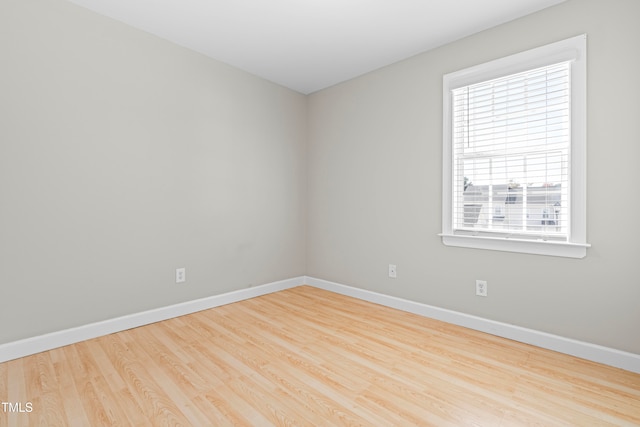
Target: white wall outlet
[181, 275]
[481, 288]
[392, 271]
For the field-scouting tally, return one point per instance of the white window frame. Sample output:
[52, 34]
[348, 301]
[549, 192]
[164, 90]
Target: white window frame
[573, 50]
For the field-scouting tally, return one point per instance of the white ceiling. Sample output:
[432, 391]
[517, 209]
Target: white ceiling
[308, 45]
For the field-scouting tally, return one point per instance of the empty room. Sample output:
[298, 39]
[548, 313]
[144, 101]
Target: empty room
[319, 213]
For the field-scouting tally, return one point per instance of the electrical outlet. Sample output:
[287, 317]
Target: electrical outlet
[481, 288]
[392, 271]
[181, 275]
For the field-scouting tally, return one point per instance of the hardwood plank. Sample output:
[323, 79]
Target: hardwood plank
[140, 377]
[93, 391]
[74, 413]
[308, 357]
[16, 392]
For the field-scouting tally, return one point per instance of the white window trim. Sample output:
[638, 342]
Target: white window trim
[574, 50]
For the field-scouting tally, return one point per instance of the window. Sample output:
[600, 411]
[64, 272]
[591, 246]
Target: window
[514, 170]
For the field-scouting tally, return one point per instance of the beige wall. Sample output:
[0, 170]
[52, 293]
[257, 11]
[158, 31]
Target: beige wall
[123, 157]
[374, 185]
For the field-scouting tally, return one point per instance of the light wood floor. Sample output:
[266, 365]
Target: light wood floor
[310, 357]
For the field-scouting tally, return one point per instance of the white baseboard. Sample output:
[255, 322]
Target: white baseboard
[28, 346]
[593, 352]
[584, 350]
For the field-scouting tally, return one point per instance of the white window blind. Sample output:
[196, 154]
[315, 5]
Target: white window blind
[511, 141]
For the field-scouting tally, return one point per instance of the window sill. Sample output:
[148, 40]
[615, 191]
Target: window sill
[537, 247]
